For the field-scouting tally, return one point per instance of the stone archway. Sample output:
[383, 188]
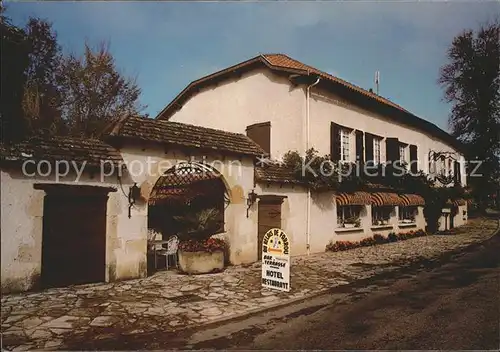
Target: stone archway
[185, 189]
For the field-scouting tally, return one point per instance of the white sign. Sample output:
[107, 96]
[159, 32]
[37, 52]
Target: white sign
[276, 260]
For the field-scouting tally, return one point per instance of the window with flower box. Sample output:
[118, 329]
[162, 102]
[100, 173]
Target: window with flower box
[381, 215]
[349, 215]
[407, 214]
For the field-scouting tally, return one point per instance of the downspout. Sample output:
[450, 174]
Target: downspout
[308, 211]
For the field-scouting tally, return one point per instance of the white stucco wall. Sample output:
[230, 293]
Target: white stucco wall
[240, 231]
[325, 108]
[293, 213]
[126, 238]
[22, 225]
[258, 96]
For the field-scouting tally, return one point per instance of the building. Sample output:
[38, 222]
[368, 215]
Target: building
[285, 105]
[76, 211]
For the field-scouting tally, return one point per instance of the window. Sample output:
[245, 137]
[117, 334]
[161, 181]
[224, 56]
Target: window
[344, 144]
[376, 150]
[381, 215]
[442, 165]
[402, 153]
[349, 215]
[407, 214]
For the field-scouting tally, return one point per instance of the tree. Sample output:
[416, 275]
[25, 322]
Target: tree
[14, 62]
[471, 80]
[94, 92]
[46, 92]
[42, 96]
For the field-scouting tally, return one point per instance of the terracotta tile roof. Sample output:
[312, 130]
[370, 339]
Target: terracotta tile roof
[175, 133]
[59, 148]
[276, 173]
[286, 62]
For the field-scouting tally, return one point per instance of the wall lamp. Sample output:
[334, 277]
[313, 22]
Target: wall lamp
[134, 193]
[251, 199]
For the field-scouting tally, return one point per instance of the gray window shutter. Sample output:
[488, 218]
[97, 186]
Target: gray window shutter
[359, 147]
[413, 159]
[392, 149]
[369, 147]
[334, 142]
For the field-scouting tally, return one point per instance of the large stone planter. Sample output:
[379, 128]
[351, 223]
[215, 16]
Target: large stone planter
[201, 262]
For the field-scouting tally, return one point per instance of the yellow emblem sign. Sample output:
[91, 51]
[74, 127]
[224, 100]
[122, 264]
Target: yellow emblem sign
[276, 242]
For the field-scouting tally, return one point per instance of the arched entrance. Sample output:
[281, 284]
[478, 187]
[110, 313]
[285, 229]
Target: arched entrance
[180, 194]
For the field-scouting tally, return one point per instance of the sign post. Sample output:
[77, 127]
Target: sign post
[276, 260]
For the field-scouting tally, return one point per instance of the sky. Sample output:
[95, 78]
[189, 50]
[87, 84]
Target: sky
[166, 45]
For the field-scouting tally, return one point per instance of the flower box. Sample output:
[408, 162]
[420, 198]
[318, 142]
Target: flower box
[201, 262]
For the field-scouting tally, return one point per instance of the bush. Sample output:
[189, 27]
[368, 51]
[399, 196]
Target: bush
[376, 239]
[392, 237]
[369, 241]
[209, 245]
[379, 239]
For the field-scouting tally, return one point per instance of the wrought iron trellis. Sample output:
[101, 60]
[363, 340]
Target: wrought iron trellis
[186, 181]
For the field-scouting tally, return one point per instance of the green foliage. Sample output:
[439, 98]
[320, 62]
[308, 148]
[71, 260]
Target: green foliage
[471, 82]
[323, 174]
[197, 226]
[370, 241]
[95, 92]
[47, 92]
[14, 62]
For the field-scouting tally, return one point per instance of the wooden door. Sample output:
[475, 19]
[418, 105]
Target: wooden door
[269, 216]
[74, 239]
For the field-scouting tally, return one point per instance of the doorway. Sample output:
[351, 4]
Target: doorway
[74, 235]
[269, 217]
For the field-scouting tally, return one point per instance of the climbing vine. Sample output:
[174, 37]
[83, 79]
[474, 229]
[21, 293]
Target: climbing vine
[321, 173]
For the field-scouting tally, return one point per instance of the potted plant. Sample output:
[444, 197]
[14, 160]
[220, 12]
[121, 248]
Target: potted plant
[199, 252]
[352, 222]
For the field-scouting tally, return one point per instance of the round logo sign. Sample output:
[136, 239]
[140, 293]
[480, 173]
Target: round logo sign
[276, 242]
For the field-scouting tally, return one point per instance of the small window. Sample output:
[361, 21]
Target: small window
[349, 215]
[345, 143]
[402, 153]
[381, 215]
[376, 150]
[407, 214]
[442, 165]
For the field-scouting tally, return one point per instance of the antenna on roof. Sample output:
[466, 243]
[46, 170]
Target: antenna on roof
[377, 80]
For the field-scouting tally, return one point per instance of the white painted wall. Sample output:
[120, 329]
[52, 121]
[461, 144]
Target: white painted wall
[240, 231]
[293, 214]
[126, 238]
[260, 96]
[21, 225]
[325, 108]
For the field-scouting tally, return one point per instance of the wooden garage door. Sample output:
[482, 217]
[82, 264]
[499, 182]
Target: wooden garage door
[269, 217]
[74, 239]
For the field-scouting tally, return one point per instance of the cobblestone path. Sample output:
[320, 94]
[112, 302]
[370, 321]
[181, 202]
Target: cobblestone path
[168, 301]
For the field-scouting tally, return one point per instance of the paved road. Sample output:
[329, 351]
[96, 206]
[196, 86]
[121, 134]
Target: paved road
[455, 306]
